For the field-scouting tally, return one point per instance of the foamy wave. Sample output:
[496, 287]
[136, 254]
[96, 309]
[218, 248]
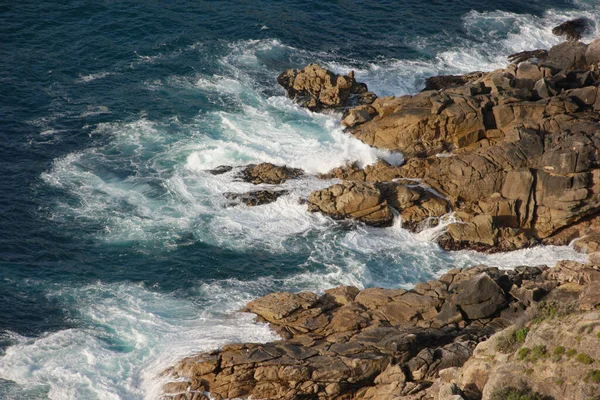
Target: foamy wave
[131, 335]
[93, 77]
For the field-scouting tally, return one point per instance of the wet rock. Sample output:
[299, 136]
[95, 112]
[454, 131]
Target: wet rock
[268, 173]
[257, 197]
[317, 88]
[221, 169]
[355, 200]
[574, 29]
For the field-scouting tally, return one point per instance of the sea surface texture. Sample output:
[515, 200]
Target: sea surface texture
[118, 253]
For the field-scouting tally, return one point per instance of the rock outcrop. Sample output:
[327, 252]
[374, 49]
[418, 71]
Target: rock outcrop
[318, 89]
[513, 151]
[361, 201]
[268, 173]
[574, 29]
[426, 343]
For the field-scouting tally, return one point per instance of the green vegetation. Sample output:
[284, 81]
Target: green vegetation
[507, 344]
[558, 353]
[593, 376]
[546, 310]
[559, 382]
[571, 352]
[584, 359]
[539, 352]
[598, 335]
[521, 334]
[523, 353]
[515, 394]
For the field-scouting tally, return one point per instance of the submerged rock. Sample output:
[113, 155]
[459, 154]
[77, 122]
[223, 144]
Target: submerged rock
[257, 197]
[221, 169]
[268, 173]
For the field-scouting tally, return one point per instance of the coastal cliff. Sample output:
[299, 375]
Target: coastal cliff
[513, 155]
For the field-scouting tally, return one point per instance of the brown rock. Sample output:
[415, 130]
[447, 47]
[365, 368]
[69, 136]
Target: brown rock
[360, 201]
[316, 88]
[269, 173]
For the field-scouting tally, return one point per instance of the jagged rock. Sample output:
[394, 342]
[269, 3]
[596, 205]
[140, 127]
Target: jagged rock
[419, 208]
[317, 88]
[257, 197]
[381, 171]
[441, 82]
[375, 343]
[522, 56]
[269, 173]
[574, 29]
[361, 201]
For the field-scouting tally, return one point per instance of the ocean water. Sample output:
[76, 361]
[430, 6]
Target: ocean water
[118, 254]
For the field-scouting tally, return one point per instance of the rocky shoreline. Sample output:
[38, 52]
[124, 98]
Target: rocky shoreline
[513, 154]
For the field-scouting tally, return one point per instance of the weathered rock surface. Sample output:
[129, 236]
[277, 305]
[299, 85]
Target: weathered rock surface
[360, 344]
[356, 200]
[381, 171]
[513, 151]
[268, 173]
[425, 343]
[317, 89]
[257, 197]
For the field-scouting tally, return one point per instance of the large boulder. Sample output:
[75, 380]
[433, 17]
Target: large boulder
[567, 56]
[592, 54]
[356, 200]
[317, 88]
[574, 29]
[268, 173]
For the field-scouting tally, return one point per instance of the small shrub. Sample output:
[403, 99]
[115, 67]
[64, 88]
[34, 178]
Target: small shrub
[515, 394]
[593, 376]
[507, 344]
[523, 353]
[546, 310]
[571, 352]
[558, 353]
[538, 352]
[598, 335]
[584, 359]
[559, 382]
[520, 335]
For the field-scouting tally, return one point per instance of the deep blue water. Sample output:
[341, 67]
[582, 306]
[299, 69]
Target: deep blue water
[117, 253]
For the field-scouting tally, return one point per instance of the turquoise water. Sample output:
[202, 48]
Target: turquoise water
[117, 253]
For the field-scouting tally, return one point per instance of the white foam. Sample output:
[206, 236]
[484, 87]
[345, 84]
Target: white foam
[132, 334]
[93, 77]
[491, 37]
